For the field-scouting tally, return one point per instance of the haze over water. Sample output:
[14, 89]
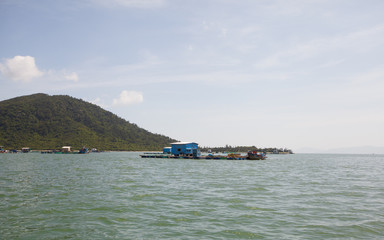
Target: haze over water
[121, 196]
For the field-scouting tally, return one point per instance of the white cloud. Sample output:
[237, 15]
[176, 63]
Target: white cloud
[129, 98]
[60, 76]
[20, 69]
[131, 3]
[24, 69]
[72, 77]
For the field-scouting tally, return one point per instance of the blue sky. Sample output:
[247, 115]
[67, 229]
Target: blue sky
[285, 73]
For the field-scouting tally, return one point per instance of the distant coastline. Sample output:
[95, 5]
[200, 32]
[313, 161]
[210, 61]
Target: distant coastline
[228, 148]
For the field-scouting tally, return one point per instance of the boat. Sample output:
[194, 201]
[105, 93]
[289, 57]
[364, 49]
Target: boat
[67, 150]
[255, 155]
[235, 156]
[83, 150]
[2, 150]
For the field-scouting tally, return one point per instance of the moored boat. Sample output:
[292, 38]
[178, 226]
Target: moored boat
[2, 150]
[83, 150]
[255, 155]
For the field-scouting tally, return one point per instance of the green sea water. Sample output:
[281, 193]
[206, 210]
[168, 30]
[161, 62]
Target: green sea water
[121, 196]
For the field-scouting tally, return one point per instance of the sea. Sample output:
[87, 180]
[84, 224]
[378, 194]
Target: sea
[118, 195]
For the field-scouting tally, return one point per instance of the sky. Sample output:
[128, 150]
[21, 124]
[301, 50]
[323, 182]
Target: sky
[307, 75]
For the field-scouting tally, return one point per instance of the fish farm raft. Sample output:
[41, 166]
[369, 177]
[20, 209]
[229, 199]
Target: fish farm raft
[190, 150]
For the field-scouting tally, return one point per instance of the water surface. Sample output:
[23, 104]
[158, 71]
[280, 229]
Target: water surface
[121, 196]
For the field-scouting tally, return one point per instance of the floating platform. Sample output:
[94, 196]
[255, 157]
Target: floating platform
[208, 157]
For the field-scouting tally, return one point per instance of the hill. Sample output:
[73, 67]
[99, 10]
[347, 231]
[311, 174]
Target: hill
[40, 121]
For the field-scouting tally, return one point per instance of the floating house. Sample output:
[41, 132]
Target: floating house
[66, 149]
[25, 150]
[185, 149]
[167, 150]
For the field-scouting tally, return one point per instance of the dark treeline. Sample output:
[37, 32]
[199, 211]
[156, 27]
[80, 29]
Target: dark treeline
[229, 148]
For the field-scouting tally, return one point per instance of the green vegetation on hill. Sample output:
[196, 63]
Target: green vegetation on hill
[228, 148]
[41, 121]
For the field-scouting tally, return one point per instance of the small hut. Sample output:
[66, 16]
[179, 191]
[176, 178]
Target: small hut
[66, 149]
[25, 150]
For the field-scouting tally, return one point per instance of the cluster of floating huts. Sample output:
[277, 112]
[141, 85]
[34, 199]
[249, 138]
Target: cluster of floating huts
[68, 150]
[190, 150]
[23, 150]
[63, 150]
[186, 150]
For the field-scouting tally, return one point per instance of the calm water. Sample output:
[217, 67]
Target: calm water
[121, 196]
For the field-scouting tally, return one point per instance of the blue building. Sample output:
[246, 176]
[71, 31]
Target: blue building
[167, 150]
[186, 149]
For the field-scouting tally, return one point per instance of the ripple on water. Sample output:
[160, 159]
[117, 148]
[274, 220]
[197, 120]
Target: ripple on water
[121, 196]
